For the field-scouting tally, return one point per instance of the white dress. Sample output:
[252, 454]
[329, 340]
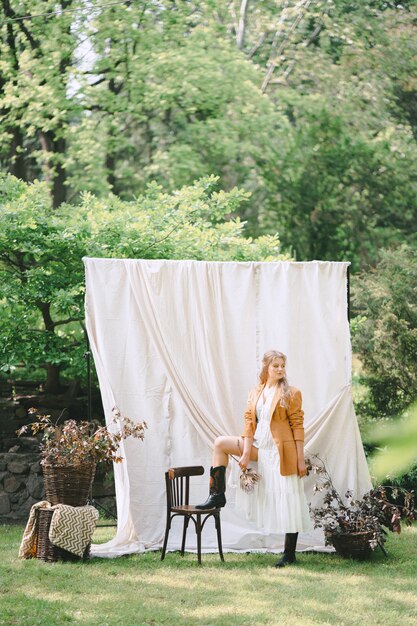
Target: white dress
[280, 505]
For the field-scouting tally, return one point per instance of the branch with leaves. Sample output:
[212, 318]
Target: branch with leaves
[76, 443]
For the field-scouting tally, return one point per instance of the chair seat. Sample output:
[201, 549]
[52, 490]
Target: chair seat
[190, 509]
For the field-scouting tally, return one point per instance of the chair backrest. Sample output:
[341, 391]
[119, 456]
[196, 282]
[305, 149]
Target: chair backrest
[177, 480]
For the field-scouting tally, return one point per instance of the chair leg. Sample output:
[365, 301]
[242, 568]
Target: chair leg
[198, 531]
[184, 533]
[219, 535]
[168, 526]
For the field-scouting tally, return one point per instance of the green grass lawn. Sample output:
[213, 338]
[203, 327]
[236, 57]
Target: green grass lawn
[246, 589]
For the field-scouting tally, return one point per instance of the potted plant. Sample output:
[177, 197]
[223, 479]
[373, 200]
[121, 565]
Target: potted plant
[70, 452]
[356, 527]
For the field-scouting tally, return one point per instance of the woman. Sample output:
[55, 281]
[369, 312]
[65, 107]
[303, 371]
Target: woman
[273, 436]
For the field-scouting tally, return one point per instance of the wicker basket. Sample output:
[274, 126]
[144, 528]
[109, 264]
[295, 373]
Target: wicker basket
[68, 485]
[352, 545]
[45, 550]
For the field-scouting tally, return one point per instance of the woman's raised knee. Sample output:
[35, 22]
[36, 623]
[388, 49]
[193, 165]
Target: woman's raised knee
[219, 442]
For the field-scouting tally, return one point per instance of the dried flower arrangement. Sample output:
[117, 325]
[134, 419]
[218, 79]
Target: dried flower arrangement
[248, 478]
[368, 515]
[75, 443]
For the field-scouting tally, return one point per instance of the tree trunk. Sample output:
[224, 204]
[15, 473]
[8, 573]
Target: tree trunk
[53, 383]
[240, 35]
[17, 159]
[59, 188]
[110, 150]
[110, 167]
[56, 176]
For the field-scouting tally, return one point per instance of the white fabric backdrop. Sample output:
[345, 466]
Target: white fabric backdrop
[178, 343]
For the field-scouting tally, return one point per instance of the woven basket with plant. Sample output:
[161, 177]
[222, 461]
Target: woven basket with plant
[355, 527]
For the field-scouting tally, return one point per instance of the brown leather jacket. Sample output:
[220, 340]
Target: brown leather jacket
[287, 426]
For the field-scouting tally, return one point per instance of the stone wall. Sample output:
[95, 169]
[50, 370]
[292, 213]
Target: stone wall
[21, 484]
[21, 480]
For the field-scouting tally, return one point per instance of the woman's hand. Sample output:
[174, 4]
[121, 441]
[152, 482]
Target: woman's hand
[302, 469]
[243, 461]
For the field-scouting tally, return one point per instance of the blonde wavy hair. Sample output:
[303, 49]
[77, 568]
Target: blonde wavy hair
[267, 359]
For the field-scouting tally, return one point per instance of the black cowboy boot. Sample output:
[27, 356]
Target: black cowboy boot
[289, 550]
[216, 497]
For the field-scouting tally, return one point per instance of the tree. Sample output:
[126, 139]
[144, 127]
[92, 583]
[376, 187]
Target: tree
[41, 279]
[171, 101]
[307, 104]
[339, 197]
[35, 77]
[41, 250]
[385, 331]
[342, 75]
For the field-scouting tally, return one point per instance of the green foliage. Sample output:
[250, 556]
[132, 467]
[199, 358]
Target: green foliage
[339, 194]
[41, 271]
[385, 333]
[396, 442]
[309, 106]
[407, 481]
[346, 186]
[189, 223]
[41, 278]
[36, 73]
[183, 103]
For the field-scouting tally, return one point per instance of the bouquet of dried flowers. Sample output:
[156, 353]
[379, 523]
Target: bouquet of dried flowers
[248, 478]
[370, 514]
[75, 443]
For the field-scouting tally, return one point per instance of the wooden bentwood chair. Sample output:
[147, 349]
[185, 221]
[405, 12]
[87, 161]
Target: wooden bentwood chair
[177, 480]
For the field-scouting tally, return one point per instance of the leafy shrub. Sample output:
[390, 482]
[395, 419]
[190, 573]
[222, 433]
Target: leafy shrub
[384, 331]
